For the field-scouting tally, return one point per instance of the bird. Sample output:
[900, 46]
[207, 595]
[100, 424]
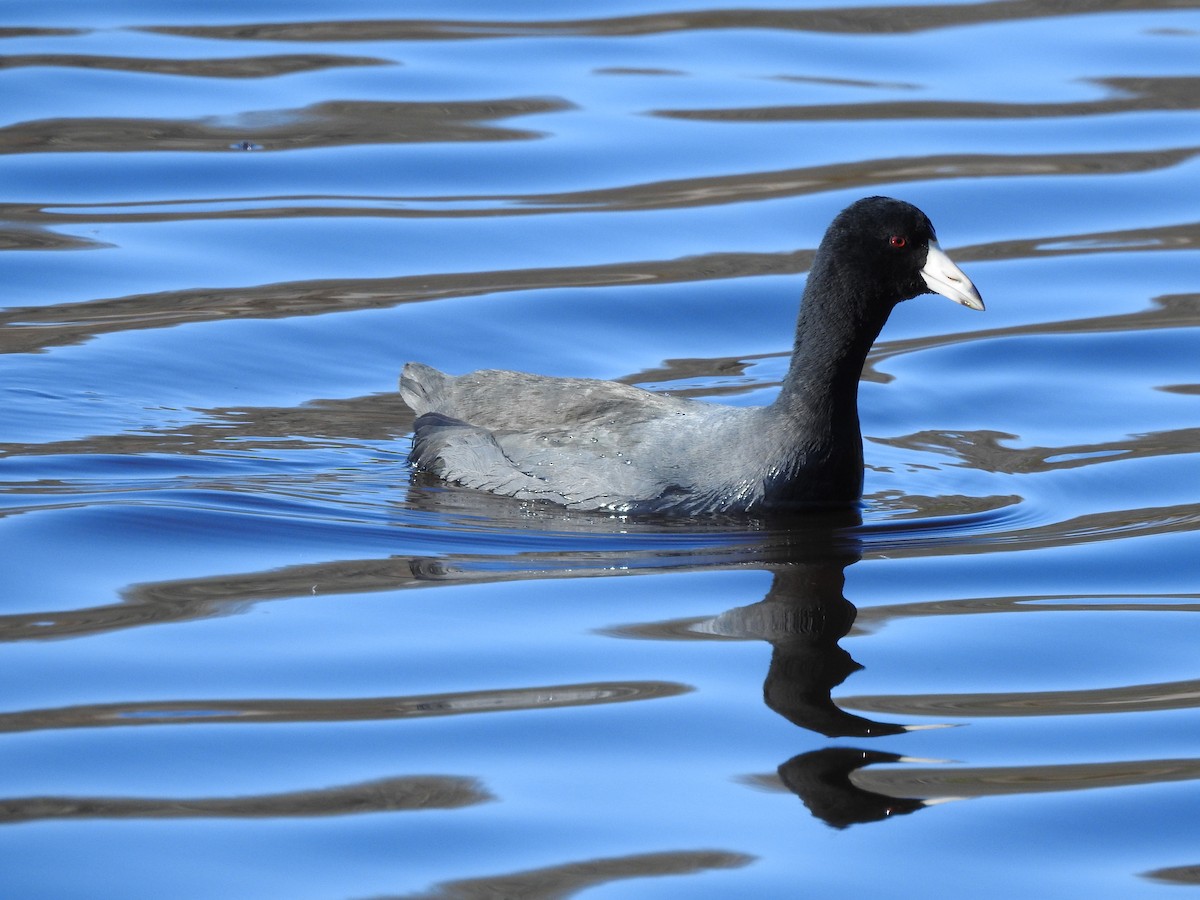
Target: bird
[588, 444]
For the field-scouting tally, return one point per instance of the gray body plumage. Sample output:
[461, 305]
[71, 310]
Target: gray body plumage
[602, 445]
[589, 444]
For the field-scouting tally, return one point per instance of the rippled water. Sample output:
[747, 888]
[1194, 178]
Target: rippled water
[247, 657]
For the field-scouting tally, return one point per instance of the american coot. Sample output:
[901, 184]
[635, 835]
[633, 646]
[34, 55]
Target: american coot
[600, 445]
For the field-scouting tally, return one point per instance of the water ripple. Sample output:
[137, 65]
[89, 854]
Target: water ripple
[329, 124]
[353, 709]
[410, 792]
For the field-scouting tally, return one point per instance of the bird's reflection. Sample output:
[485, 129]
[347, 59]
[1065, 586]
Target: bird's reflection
[803, 617]
[821, 778]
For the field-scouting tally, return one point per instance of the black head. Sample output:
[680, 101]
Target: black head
[890, 250]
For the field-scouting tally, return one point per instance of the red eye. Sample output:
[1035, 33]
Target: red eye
[899, 241]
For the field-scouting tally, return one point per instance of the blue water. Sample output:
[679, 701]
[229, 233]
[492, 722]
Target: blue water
[247, 656]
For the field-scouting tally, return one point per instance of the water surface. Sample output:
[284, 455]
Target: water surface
[250, 656]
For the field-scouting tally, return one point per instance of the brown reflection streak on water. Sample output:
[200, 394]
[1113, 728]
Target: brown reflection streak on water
[1129, 698]
[329, 124]
[406, 793]
[351, 709]
[557, 882]
[13, 237]
[983, 450]
[1176, 875]
[1002, 780]
[224, 67]
[1133, 95]
[40, 32]
[862, 20]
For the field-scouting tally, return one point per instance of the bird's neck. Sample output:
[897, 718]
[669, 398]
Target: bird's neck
[834, 333]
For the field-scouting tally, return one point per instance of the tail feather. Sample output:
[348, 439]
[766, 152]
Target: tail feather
[422, 387]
